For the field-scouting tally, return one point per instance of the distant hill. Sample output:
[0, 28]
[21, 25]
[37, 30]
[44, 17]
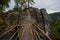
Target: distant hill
[55, 15]
[55, 25]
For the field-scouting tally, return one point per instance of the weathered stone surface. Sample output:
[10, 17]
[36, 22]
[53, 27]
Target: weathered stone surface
[33, 14]
[39, 15]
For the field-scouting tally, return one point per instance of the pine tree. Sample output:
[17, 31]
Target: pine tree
[4, 3]
[22, 3]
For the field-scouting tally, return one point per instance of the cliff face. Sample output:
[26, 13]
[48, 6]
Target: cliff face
[39, 15]
[42, 18]
[28, 15]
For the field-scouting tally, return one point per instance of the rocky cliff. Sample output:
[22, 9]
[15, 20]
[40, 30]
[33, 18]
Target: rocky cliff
[34, 14]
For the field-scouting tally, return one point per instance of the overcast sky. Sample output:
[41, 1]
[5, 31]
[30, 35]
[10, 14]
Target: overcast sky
[50, 5]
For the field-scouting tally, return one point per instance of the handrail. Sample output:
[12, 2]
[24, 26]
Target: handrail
[14, 34]
[7, 31]
[37, 26]
[37, 35]
[16, 38]
[18, 34]
[32, 33]
[22, 30]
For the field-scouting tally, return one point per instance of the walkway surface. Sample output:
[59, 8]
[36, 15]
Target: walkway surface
[27, 32]
[27, 35]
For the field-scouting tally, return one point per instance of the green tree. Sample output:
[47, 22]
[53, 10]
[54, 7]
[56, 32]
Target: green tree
[30, 2]
[23, 2]
[56, 30]
[3, 3]
[19, 4]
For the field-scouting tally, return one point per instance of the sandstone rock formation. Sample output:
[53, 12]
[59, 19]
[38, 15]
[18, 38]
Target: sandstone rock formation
[39, 15]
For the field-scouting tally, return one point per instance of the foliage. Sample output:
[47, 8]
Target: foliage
[20, 4]
[1, 21]
[4, 3]
[56, 29]
[54, 15]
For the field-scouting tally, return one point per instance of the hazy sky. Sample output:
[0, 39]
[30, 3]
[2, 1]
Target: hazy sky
[50, 5]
